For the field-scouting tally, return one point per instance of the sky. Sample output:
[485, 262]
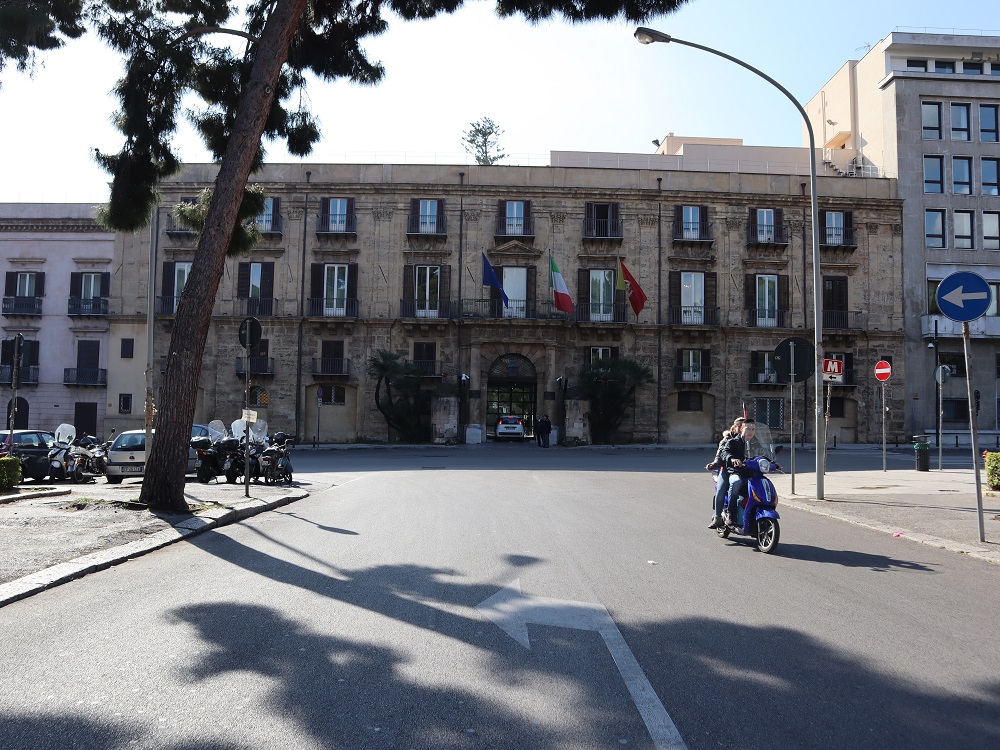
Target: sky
[551, 87]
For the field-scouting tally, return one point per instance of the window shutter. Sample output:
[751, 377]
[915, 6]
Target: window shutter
[40, 284]
[582, 290]
[588, 211]
[750, 291]
[678, 225]
[106, 284]
[703, 221]
[502, 216]
[673, 296]
[711, 294]
[614, 214]
[706, 362]
[275, 213]
[783, 287]
[822, 223]
[324, 214]
[10, 290]
[415, 210]
[848, 219]
[848, 365]
[350, 211]
[409, 291]
[615, 351]
[621, 306]
[167, 284]
[527, 216]
[261, 349]
[7, 353]
[753, 215]
[440, 216]
[29, 353]
[779, 219]
[243, 281]
[496, 299]
[316, 273]
[267, 280]
[76, 284]
[444, 291]
[352, 282]
[529, 287]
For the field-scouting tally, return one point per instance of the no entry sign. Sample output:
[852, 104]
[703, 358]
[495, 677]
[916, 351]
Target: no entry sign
[883, 370]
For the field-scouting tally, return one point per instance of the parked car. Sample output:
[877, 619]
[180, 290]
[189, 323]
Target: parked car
[510, 426]
[33, 448]
[127, 454]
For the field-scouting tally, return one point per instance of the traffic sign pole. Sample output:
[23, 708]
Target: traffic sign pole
[973, 432]
[791, 390]
[885, 411]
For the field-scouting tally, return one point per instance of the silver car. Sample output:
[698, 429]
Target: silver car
[127, 454]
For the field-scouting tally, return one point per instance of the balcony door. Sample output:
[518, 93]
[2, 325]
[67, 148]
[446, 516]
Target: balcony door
[602, 295]
[88, 361]
[428, 288]
[515, 284]
[767, 301]
[335, 291]
[692, 298]
[765, 225]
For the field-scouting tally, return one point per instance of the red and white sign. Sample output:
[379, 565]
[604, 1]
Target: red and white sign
[833, 367]
[883, 370]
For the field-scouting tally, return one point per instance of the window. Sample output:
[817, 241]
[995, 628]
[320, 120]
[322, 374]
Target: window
[689, 401]
[934, 228]
[995, 69]
[942, 66]
[762, 367]
[425, 357]
[690, 363]
[331, 357]
[960, 122]
[933, 174]
[954, 360]
[428, 216]
[836, 407]
[602, 220]
[128, 348]
[428, 287]
[930, 116]
[990, 169]
[335, 395]
[181, 273]
[964, 230]
[515, 284]
[124, 403]
[932, 305]
[955, 410]
[691, 222]
[988, 120]
[602, 295]
[257, 396]
[992, 310]
[972, 68]
[991, 230]
[919, 66]
[269, 220]
[515, 219]
[692, 298]
[770, 411]
[335, 215]
[334, 290]
[26, 284]
[961, 175]
[255, 284]
[834, 227]
[765, 225]
[597, 353]
[767, 301]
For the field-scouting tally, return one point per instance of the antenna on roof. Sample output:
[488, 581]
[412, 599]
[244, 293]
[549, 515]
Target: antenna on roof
[864, 47]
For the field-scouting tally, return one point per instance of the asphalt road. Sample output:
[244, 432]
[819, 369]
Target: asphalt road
[373, 615]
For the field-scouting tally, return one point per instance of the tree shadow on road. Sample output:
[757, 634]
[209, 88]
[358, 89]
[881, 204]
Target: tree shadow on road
[850, 558]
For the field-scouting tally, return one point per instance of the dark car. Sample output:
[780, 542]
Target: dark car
[32, 446]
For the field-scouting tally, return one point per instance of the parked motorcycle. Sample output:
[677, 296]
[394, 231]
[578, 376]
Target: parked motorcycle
[84, 461]
[756, 513]
[59, 454]
[275, 461]
[211, 452]
[236, 457]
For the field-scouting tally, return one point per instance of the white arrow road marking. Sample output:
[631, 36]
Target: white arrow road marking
[511, 611]
[957, 296]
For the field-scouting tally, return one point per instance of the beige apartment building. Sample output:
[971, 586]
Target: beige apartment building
[363, 257]
[923, 108]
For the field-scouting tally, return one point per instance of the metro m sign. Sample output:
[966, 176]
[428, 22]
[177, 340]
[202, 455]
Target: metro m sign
[833, 371]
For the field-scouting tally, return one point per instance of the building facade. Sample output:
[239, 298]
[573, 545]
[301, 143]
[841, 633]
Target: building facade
[924, 108]
[57, 266]
[362, 258]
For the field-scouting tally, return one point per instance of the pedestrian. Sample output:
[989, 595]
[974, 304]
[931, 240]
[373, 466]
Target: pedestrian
[545, 427]
[538, 431]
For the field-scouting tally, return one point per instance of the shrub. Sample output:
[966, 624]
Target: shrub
[10, 472]
[993, 469]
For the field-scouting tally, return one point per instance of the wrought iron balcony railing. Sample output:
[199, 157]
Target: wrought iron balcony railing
[331, 366]
[318, 307]
[515, 226]
[685, 374]
[22, 306]
[336, 224]
[766, 234]
[258, 365]
[837, 237]
[28, 374]
[85, 376]
[603, 229]
[79, 306]
[849, 320]
[766, 318]
[602, 312]
[693, 315]
[691, 231]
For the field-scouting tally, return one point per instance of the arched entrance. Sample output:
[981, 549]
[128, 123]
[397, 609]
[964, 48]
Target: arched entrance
[511, 389]
[21, 418]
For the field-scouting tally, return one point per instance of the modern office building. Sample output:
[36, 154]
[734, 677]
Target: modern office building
[923, 108]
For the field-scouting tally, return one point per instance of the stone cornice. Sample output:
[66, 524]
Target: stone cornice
[52, 225]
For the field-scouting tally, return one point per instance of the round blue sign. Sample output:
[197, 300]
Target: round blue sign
[964, 296]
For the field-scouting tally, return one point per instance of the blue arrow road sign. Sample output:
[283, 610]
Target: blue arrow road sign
[964, 296]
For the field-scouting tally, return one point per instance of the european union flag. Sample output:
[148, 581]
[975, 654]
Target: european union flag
[490, 279]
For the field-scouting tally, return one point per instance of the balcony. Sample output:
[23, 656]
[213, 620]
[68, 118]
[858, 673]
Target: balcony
[166, 305]
[602, 312]
[688, 375]
[603, 229]
[176, 229]
[766, 234]
[269, 223]
[517, 309]
[844, 320]
[331, 367]
[28, 374]
[319, 307]
[336, 224]
[693, 232]
[80, 307]
[426, 225]
[837, 237]
[411, 308]
[258, 366]
[763, 377]
[26, 306]
[85, 376]
[986, 326]
[692, 315]
[262, 306]
[428, 368]
[764, 318]
[511, 226]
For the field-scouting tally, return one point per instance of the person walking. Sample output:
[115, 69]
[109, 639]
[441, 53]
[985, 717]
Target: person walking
[538, 431]
[546, 429]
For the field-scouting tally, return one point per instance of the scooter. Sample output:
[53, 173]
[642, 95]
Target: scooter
[756, 513]
[84, 460]
[59, 454]
[211, 452]
[275, 462]
[236, 451]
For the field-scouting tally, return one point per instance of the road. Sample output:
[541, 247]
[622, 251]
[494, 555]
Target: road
[511, 597]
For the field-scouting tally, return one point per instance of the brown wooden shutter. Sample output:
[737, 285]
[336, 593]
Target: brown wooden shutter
[614, 216]
[673, 296]
[615, 351]
[324, 214]
[750, 291]
[848, 219]
[106, 284]
[7, 353]
[316, 274]
[352, 283]
[703, 221]
[267, 280]
[10, 290]
[822, 226]
[779, 219]
[678, 224]
[501, 217]
[76, 284]
[582, 292]
[527, 217]
[409, 290]
[783, 294]
[440, 217]
[29, 353]
[243, 281]
[706, 364]
[444, 292]
[621, 306]
[167, 283]
[529, 289]
[40, 284]
[711, 298]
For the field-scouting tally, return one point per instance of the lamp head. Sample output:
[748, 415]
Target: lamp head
[645, 35]
[930, 345]
[464, 377]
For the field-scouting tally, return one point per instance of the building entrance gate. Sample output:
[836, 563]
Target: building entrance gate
[511, 389]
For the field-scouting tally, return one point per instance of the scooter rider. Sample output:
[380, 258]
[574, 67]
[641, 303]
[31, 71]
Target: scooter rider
[733, 454]
[723, 488]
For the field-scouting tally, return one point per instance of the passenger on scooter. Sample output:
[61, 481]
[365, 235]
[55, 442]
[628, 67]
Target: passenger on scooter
[733, 454]
[723, 488]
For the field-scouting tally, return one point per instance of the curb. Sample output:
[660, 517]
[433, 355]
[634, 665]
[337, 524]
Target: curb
[978, 553]
[54, 575]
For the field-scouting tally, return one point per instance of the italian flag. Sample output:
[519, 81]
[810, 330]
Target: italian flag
[559, 290]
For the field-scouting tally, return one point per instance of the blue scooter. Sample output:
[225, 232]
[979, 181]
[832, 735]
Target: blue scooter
[756, 514]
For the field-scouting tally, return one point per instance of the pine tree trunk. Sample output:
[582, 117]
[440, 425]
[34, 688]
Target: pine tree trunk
[163, 486]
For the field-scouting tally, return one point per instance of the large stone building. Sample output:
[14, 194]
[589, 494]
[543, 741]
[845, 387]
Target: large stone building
[924, 108]
[358, 258]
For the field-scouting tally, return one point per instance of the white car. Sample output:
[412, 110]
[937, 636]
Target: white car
[127, 454]
[510, 426]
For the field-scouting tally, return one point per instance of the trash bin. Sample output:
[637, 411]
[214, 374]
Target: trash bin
[922, 452]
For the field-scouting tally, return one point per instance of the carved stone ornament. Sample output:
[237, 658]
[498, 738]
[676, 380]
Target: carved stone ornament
[796, 226]
[897, 230]
[295, 213]
[382, 213]
[872, 228]
[558, 218]
[734, 224]
[472, 215]
[647, 220]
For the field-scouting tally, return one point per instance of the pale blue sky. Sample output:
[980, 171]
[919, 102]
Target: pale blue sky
[550, 87]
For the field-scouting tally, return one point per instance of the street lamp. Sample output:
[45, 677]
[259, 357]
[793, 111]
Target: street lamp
[649, 36]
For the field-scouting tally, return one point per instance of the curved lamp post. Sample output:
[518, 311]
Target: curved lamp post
[649, 36]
